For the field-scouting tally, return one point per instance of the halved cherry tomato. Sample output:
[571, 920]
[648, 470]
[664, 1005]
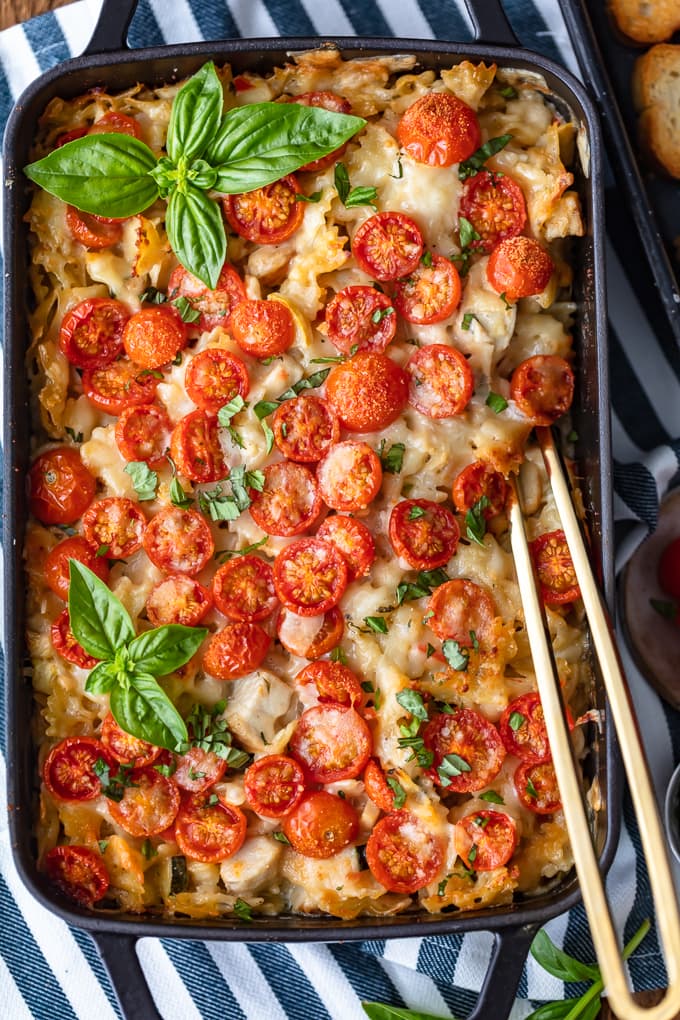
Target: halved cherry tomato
[274, 785]
[91, 334]
[263, 328]
[57, 564]
[353, 540]
[321, 825]
[195, 448]
[267, 215]
[154, 336]
[439, 129]
[237, 649]
[215, 305]
[430, 293]
[485, 840]
[198, 769]
[293, 632]
[460, 609]
[360, 318]
[522, 729]
[243, 588]
[214, 377]
[209, 832]
[519, 267]
[65, 644]
[178, 541]
[555, 569]
[368, 392]
[305, 428]
[178, 599]
[669, 569]
[70, 136]
[424, 533]
[334, 682]
[125, 748]
[469, 736]
[326, 101]
[68, 771]
[61, 487]
[115, 523]
[289, 502]
[116, 123]
[350, 476]
[142, 434]
[537, 788]
[149, 804]
[403, 854]
[78, 872]
[119, 385]
[92, 232]
[476, 481]
[543, 388]
[310, 576]
[331, 742]
[388, 245]
[375, 784]
[442, 382]
[495, 207]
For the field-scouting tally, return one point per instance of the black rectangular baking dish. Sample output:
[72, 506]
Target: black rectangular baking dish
[107, 62]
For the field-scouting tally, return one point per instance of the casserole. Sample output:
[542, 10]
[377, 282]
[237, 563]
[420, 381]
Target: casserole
[590, 422]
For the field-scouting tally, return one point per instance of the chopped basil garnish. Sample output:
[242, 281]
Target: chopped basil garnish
[210, 732]
[314, 197]
[452, 765]
[531, 790]
[102, 844]
[491, 797]
[456, 656]
[398, 791]
[378, 624]
[496, 402]
[468, 319]
[381, 313]
[338, 655]
[228, 554]
[328, 361]
[281, 837]
[516, 720]
[102, 550]
[113, 786]
[415, 512]
[392, 460]
[226, 413]
[430, 649]
[412, 702]
[471, 166]
[186, 310]
[472, 853]
[466, 234]
[508, 92]
[77, 437]
[505, 301]
[309, 383]
[426, 259]
[407, 591]
[144, 480]
[475, 521]
[349, 196]
[149, 850]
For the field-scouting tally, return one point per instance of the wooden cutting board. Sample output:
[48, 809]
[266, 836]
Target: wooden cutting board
[14, 11]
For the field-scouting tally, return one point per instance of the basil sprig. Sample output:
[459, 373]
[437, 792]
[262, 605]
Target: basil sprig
[207, 151]
[130, 664]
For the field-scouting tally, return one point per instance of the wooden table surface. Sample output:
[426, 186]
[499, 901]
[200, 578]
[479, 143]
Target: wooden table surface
[13, 11]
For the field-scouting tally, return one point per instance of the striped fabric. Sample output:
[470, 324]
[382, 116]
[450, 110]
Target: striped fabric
[50, 972]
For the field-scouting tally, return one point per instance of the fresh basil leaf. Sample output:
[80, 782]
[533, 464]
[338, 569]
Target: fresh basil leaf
[196, 233]
[466, 232]
[399, 798]
[106, 174]
[102, 679]
[165, 649]
[143, 478]
[412, 702]
[195, 115]
[556, 1010]
[516, 720]
[361, 196]
[392, 461]
[243, 910]
[153, 296]
[475, 162]
[560, 964]
[259, 143]
[264, 407]
[453, 765]
[496, 402]
[144, 710]
[187, 312]
[226, 413]
[314, 197]
[309, 383]
[415, 512]
[468, 319]
[491, 797]
[178, 496]
[227, 554]
[77, 437]
[508, 92]
[475, 520]
[378, 624]
[381, 1011]
[281, 837]
[456, 656]
[99, 621]
[218, 506]
[341, 181]
[338, 655]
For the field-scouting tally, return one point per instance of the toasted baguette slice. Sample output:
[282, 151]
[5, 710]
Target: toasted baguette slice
[656, 94]
[646, 21]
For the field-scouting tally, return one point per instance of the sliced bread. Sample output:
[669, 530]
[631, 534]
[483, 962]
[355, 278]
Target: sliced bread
[656, 94]
[646, 21]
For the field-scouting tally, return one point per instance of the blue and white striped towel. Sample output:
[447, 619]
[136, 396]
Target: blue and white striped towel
[51, 972]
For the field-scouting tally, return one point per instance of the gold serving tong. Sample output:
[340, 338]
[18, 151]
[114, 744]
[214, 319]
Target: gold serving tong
[635, 763]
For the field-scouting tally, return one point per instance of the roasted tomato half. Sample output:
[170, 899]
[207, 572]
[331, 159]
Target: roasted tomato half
[91, 334]
[439, 129]
[403, 854]
[267, 215]
[555, 569]
[468, 751]
[61, 487]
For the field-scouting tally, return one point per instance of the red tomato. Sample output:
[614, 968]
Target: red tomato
[439, 129]
[237, 649]
[215, 305]
[334, 682]
[495, 207]
[195, 448]
[263, 328]
[70, 136]
[274, 785]
[350, 476]
[543, 388]
[537, 788]
[461, 608]
[327, 101]
[321, 825]
[377, 789]
[78, 872]
[431, 293]
[68, 771]
[117, 524]
[485, 840]
[310, 576]
[353, 540]
[290, 501]
[522, 729]
[61, 487]
[149, 804]
[122, 384]
[178, 541]
[198, 769]
[368, 392]
[442, 382]
[468, 735]
[142, 434]
[91, 231]
[424, 533]
[243, 588]
[125, 748]
[403, 854]
[476, 481]
[91, 334]
[214, 377]
[305, 428]
[209, 832]
[360, 318]
[65, 644]
[154, 336]
[519, 267]
[669, 569]
[178, 599]
[57, 564]
[553, 564]
[292, 631]
[116, 123]
[267, 215]
[331, 742]
[388, 246]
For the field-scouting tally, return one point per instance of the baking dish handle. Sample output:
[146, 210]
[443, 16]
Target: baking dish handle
[509, 953]
[119, 956]
[490, 23]
[110, 32]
